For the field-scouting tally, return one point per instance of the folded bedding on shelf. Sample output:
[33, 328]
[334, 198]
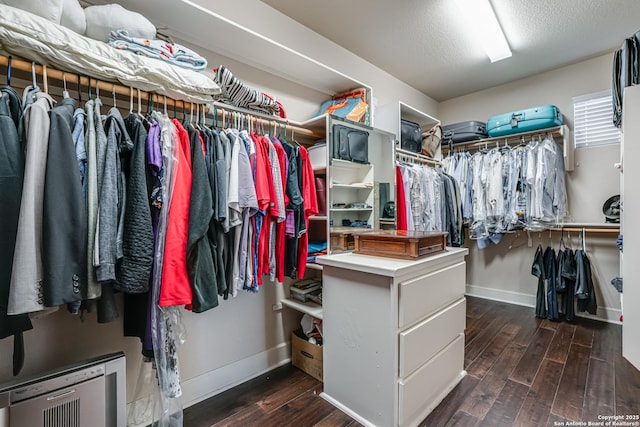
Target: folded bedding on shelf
[154, 48]
[34, 38]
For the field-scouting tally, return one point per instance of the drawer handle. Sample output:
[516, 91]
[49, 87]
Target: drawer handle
[307, 355]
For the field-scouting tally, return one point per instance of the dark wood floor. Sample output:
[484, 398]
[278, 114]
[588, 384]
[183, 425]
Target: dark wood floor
[522, 371]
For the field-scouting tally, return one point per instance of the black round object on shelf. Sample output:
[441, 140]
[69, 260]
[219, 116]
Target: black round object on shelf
[611, 209]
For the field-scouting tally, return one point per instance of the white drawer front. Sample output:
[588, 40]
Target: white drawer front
[421, 342]
[423, 295]
[423, 390]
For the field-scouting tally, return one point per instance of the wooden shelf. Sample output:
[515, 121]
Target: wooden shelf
[318, 218]
[314, 266]
[310, 308]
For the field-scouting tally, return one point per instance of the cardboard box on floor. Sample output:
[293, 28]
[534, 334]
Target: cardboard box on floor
[306, 356]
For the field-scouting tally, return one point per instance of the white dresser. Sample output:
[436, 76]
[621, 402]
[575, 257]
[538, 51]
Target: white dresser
[393, 334]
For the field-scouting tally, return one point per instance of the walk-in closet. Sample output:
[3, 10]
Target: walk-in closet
[285, 213]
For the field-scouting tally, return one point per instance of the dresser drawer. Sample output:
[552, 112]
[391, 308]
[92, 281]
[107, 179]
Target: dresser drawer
[423, 295]
[423, 390]
[422, 341]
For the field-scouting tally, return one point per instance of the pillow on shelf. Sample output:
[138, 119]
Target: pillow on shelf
[101, 20]
[50, 10]
[73, 16]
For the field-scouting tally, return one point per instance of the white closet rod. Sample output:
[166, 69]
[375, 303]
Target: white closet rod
[410, 156]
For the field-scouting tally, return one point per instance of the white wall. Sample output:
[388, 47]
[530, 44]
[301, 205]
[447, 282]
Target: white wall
[504, 271]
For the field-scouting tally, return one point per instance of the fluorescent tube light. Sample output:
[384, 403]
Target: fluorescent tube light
[482, 19]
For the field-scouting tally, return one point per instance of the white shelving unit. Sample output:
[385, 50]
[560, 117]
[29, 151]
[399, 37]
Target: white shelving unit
[310, 308]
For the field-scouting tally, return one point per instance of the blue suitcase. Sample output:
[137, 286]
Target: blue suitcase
[526, 120]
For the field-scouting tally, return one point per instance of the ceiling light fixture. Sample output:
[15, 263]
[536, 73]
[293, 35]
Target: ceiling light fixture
[482, 19]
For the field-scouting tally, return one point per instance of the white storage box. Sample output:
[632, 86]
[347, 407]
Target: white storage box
[318, 156]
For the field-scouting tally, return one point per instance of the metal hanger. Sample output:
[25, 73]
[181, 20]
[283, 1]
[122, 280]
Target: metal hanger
[113, 92]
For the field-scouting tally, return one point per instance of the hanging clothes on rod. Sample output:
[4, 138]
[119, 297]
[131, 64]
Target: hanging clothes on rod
[506, 188]
[428, 200]
[568, 274]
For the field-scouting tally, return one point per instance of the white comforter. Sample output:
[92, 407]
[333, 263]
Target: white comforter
[34, 38]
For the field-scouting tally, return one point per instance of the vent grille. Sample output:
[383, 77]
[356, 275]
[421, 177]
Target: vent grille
[66, 414]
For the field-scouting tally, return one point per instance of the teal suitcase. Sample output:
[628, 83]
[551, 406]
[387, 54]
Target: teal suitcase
[526, 120]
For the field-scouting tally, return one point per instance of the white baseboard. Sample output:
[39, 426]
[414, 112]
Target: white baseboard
[604, 314]
[214, 382]
[501, 295]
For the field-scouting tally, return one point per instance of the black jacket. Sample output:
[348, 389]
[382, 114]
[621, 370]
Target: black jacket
[135, 266]
[64, 222]
[11, 175]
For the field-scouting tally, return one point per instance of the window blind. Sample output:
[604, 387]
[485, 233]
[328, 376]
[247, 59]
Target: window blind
[593, 120]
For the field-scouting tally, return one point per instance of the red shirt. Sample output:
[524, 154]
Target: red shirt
[175, 288]
[401, 203]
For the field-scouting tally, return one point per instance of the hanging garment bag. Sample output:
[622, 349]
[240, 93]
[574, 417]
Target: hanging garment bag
[526, 120]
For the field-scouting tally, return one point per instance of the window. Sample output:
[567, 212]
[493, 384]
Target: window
[593, 120]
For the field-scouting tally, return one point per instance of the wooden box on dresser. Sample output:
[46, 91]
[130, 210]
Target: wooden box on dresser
[393, 334]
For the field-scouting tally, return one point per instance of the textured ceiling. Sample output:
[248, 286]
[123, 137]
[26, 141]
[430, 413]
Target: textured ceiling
[426, 44]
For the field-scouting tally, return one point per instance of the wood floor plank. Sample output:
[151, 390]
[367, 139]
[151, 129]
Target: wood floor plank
[479, 325]
[584, 334]
[548, 324]
[528, 326]
[570, 396]
[242, 396]
[478, 307]
[555, 420]
[599, 393]
[449, 405]
[462, 419]
[337, 418]
[530, 362]
[627, 387]
[559, 347]
[247, 416]
[506, 407]
[283, 395]
[607, 341]
[481, 365]
[480, 400]
[483, 338]
[306, 410]
[537, 406]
